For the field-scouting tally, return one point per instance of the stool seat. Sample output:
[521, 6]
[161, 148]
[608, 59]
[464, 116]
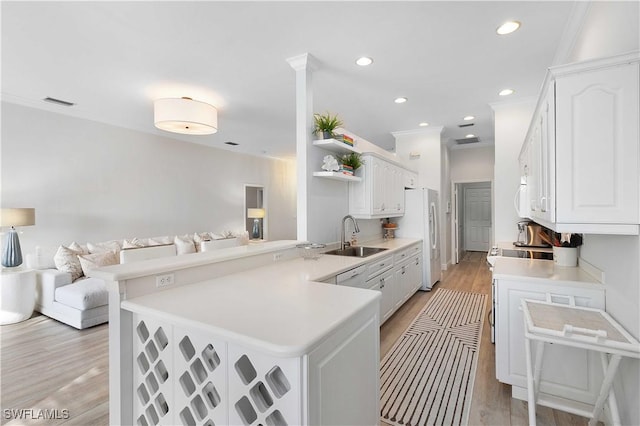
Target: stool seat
[580, 327]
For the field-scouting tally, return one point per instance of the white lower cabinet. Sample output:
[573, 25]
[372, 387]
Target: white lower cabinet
[570, 376]
[386, 284]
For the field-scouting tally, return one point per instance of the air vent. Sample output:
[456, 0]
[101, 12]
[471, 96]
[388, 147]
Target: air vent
[231, 143]
[58, 101]
[465, 125]
[467, 140]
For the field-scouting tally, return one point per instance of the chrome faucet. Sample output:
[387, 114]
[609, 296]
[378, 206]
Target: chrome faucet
[343, 243]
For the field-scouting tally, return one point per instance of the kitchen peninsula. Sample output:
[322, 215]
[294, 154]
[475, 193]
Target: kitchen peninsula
[262, 342]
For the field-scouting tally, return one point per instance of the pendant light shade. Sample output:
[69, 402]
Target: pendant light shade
[184, 115]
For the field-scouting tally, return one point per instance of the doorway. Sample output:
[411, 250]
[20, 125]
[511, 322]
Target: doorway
[472, 217]
[255, 211]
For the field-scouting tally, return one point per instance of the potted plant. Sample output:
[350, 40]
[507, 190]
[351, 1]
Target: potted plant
[350, 162]
[325, 124]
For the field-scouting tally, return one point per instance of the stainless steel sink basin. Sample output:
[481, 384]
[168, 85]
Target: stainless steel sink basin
[356, 251]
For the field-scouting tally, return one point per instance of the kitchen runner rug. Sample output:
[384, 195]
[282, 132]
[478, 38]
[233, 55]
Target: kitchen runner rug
[427, 377]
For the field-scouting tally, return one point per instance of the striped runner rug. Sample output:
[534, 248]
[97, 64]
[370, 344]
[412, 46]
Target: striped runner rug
[427, 377]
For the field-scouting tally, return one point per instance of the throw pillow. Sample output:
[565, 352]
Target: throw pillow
[134, 243]
[77, 247]
[199, 238]
[160, 241]
[106, 246]
[66, 260]
[184, 245]
[97, 260]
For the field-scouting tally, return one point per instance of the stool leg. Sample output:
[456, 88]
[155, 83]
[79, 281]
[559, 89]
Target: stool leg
[537, 372]
[613, 402]
[531, 396]
[604, 389]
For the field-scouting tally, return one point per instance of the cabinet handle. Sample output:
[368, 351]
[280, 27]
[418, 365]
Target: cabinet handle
[382, 285]
[543, 204]
[417, 261]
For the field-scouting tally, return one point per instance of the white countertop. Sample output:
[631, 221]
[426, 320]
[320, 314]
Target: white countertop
[276, 309]
[537, 270]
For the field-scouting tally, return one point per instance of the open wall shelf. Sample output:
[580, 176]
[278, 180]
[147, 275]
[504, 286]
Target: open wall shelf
[337, 176]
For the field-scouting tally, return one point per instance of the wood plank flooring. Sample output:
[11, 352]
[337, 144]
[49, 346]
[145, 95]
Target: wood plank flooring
[45, 364]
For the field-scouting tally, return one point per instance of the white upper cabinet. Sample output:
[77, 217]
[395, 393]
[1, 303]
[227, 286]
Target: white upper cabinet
[583, 147]
[597, 130]
[381, 191]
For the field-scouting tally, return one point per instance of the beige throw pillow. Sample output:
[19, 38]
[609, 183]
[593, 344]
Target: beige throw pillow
[134, 243]
[184, 245]
[97, 260]
[66, 260]
[106, 246]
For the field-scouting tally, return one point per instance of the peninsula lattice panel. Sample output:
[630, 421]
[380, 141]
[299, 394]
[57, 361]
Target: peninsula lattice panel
[180, 378]
[263, 390]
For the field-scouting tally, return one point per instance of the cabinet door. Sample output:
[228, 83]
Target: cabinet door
[400, 286]
[387, 287]
[597, 146]
[379, 173]
[547, 157]
[415, 273]
[576, 380]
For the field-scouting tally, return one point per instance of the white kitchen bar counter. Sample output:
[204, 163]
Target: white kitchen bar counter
[267, 309]
[243, 336]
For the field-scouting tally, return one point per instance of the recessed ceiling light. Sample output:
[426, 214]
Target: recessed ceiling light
[508, 27]
[470, 135]
[423, 124]
[364, 61]
[506, 92]
[468, 117]
[400, 100]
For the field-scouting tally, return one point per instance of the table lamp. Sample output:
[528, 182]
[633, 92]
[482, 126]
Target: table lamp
[12, 254]
[256, 215]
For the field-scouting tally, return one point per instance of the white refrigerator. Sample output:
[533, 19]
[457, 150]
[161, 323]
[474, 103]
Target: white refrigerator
[421, 220]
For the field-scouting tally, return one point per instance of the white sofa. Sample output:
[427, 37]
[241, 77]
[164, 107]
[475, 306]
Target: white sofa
[84, 302]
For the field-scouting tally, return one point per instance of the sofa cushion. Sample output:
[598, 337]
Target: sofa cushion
[66, 260]
[97, 260]
[83, 294]
[145, 253]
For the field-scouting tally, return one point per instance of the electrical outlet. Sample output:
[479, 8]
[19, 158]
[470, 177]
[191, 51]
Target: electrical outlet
[277, 256]
[164, 280]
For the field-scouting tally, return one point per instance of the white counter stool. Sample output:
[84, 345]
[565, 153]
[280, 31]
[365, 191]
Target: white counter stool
[17, 294]
[579, 327]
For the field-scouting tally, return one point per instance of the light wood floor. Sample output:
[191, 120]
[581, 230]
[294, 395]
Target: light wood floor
[48, 365]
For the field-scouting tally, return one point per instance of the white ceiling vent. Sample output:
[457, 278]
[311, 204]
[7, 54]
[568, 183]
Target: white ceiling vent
[467, 140]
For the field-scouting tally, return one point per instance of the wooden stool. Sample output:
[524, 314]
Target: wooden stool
[579, 327]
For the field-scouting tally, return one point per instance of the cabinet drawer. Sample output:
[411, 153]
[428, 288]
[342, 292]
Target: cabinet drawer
[379, 266]
[406, 254]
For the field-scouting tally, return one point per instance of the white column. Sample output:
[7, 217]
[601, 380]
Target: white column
[304, 65]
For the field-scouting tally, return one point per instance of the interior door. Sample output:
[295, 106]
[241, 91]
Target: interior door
[477, 228]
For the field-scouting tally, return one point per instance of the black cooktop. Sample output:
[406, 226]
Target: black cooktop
[527, 254]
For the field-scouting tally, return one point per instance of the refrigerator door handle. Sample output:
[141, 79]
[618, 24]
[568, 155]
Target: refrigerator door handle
[434, 222]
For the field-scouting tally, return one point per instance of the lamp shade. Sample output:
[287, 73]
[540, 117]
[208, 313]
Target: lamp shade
[255, 213]
[18, 217]
[184, 115]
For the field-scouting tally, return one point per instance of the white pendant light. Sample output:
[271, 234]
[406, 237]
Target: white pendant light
[184, 115]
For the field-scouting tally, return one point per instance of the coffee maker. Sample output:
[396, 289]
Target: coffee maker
[529, 235]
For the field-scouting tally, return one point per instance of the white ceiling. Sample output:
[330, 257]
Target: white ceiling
[114, 58]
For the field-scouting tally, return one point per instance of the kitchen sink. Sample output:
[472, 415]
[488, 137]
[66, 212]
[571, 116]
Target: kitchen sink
[356, 251]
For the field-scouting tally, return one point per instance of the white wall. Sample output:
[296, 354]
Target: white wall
[429, 165]
[610, 28]
[511, 124]
[472, 164]
[90, 181]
